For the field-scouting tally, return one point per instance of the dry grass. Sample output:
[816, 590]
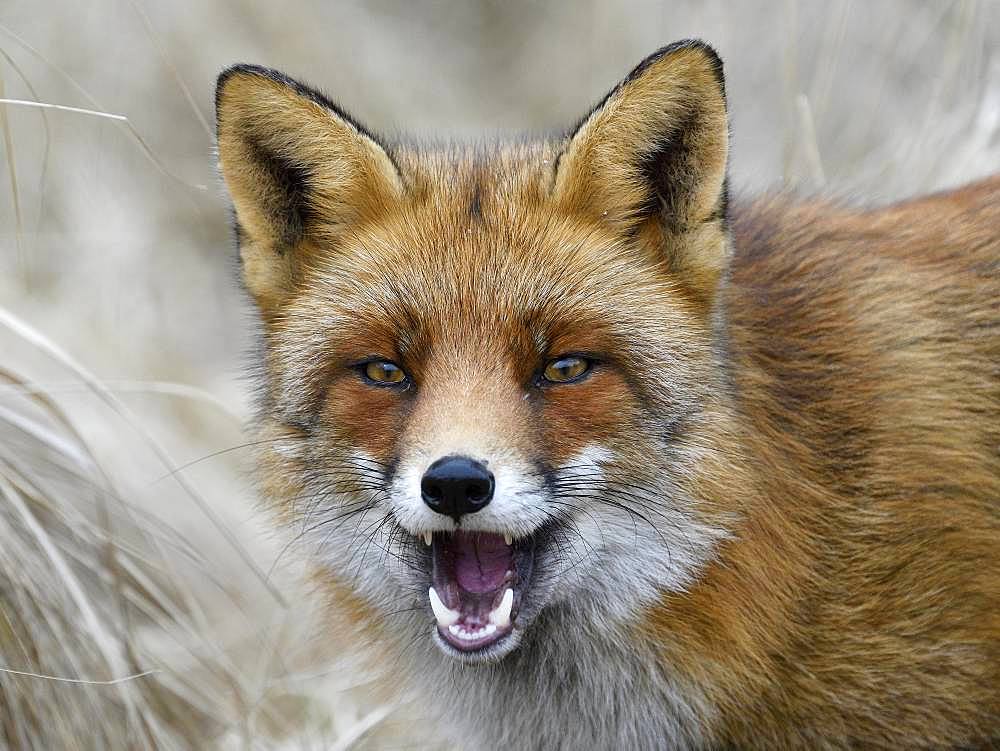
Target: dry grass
[142, 601]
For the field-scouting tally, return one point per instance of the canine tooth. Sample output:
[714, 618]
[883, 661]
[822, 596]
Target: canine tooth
[445, 616]
[428, 537]
[508, 538]
[501, 616]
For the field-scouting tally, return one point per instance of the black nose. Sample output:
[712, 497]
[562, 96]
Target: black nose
[457, 485]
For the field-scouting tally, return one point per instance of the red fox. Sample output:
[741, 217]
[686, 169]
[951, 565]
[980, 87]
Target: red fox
[587, 454]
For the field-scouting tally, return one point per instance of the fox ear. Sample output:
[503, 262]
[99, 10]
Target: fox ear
[650, 160]
[298, 170]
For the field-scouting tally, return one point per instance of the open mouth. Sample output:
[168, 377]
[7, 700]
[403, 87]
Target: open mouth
[478, 584]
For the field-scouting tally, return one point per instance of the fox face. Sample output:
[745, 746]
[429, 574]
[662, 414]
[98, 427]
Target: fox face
[491, 374]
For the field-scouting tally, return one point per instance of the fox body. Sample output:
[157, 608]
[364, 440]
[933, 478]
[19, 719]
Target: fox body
[587, 455]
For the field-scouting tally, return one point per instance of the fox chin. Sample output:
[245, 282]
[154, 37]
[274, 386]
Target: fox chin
[583, 453]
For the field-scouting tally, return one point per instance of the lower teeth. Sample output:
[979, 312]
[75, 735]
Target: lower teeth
[499, 617]
[488, 630]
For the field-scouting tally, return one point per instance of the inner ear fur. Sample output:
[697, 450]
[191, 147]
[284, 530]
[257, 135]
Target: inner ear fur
[299, 171]
[650, 160]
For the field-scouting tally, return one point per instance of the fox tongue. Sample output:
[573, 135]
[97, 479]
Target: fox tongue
[481, 561]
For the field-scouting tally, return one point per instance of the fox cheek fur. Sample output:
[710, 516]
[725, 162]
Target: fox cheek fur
[683, 474]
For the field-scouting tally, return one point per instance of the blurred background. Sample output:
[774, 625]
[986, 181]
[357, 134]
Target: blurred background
[143, 602]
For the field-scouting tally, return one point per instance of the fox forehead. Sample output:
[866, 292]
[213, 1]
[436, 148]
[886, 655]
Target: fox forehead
[478, 252]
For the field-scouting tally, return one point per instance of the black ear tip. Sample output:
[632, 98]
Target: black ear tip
[711, 56]
[248, 69]
[241, 68]
[276, 76]
[710, 53]
[237, 70]
[297, 87]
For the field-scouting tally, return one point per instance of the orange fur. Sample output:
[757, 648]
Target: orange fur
[860, 604]
[835, 374]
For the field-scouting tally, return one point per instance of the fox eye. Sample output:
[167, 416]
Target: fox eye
[384, 373]
[566, 369]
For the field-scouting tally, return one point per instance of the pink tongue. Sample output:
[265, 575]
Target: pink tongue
[481, 561]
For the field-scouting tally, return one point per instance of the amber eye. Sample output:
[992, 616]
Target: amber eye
[384, 372]
[566, 369]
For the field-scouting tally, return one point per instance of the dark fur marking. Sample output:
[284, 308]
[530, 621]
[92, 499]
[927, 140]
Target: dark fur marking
[476, 204]
[721, 213]
[668, 171]
[548, 474]
[389, 473]
[292, 215]
[238, 232]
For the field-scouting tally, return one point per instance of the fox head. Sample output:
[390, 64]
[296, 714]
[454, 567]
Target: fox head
[491, 375]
